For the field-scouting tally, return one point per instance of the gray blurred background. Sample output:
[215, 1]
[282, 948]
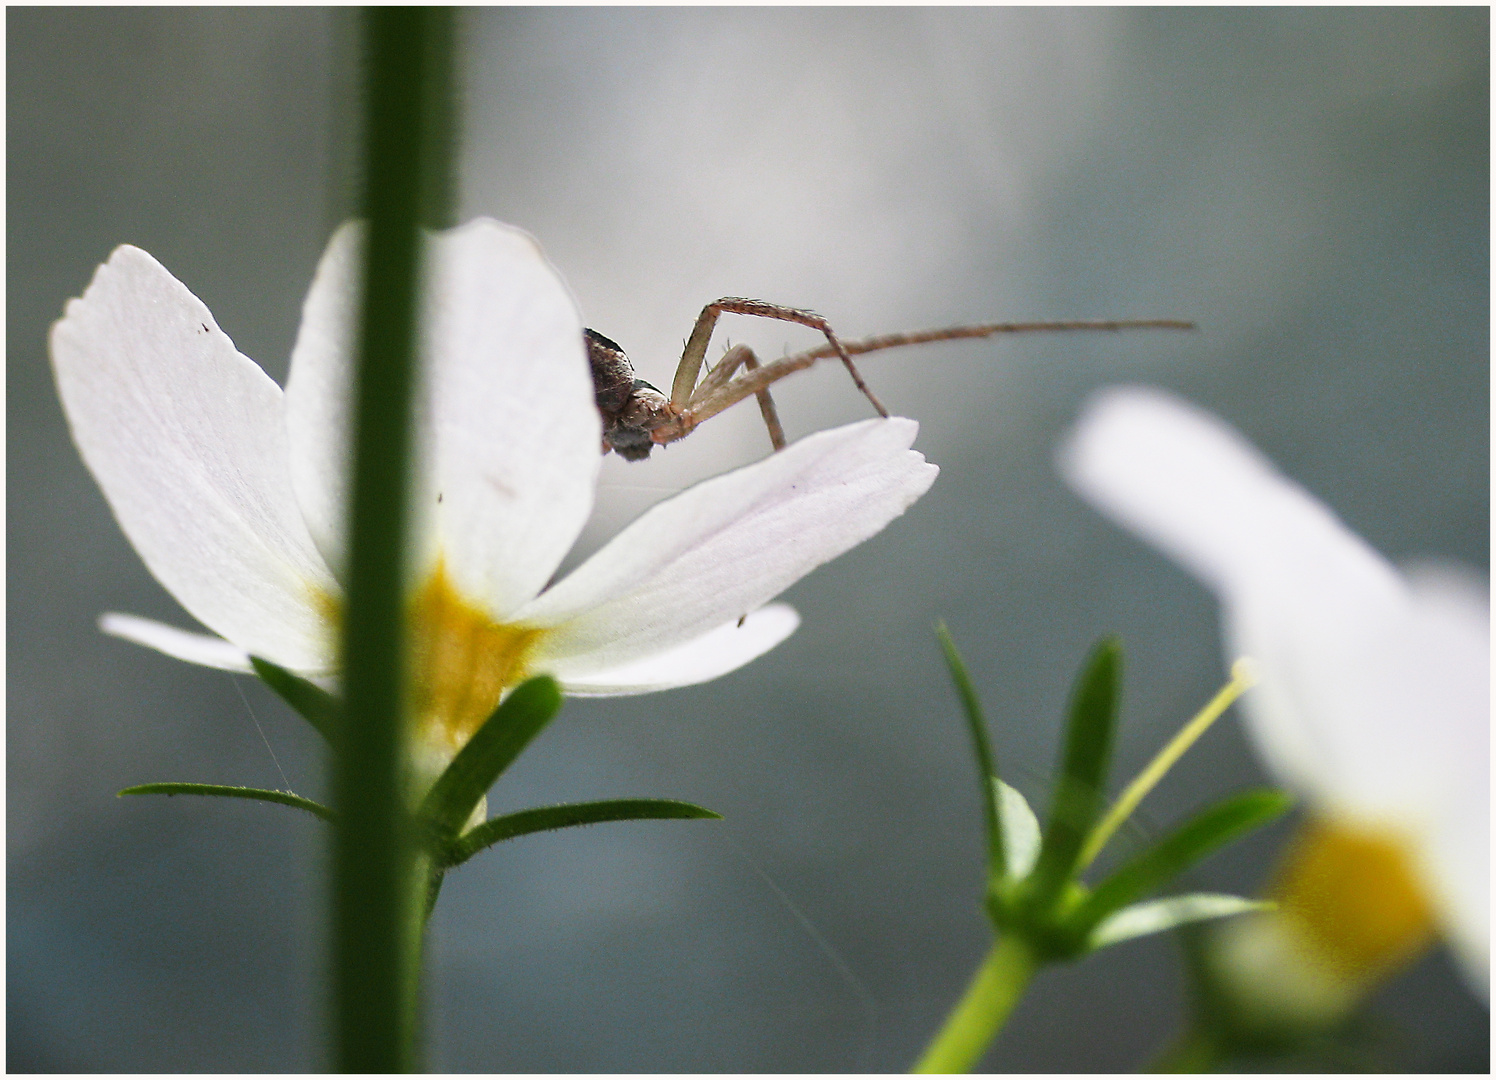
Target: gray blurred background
[1311, 187]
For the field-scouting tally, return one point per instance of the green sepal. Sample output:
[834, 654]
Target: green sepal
[1155, 916]
[565, 816]
[1081, 785]
[228, 791]
[316, 705]
[503, 736]
[1153, 869]
[976, 724]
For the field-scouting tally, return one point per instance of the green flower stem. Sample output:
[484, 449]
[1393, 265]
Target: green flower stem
[997, 987]
[1241, 681]
[379, 871]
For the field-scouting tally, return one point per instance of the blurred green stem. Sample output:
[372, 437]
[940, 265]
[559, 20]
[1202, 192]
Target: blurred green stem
[996, 988]
[378, 869]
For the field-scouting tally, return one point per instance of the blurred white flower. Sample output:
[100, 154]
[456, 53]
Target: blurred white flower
[233, 492]
[1374, 693]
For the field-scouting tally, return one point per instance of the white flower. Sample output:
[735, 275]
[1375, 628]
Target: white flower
[1374, 693]
[233, 492]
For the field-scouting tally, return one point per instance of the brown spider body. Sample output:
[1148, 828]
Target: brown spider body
[632, 409]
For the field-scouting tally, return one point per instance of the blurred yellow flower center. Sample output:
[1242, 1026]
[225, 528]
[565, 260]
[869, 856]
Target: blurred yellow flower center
[1353, 900]
[463, 662]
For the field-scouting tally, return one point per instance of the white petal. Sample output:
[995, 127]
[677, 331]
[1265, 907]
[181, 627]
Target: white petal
[201, 649]
[1451, 631]
[714, 654]
[1155, 916]
[1304, 597]
[728, 545]
[1332, 697]
[1457, 862]
[518, 440]
[317, 390]
[1022, 835]
[509, 440]
[187, 439]
[1182, 479]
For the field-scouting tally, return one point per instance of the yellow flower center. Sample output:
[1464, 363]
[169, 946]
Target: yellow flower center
[462, 662]
[1349, 913]
[1352, 899]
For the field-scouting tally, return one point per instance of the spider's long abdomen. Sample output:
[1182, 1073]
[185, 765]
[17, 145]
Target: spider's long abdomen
[631, 408]
[612, 374]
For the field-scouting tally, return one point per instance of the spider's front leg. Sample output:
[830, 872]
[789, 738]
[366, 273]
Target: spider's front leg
[684, 388]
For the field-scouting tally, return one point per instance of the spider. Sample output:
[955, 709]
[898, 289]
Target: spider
[637, 417]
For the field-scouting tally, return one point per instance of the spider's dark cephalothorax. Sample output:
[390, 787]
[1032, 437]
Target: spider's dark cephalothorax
[631, 408]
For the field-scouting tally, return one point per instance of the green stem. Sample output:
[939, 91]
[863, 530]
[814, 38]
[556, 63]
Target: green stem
[379, 871]
[997, 987]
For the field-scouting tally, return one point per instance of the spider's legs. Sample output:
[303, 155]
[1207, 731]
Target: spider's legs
[766, 405]
[739, 356]
[690, 362]
[719, 390]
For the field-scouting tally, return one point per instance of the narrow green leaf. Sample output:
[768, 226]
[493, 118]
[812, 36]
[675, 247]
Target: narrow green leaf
[565, 816]
[1080, 786]
[503, 736]
[227, 791]
[1187, 845]
[976, 723]
[1154, 916]
[1020, 830]
[316, 705]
